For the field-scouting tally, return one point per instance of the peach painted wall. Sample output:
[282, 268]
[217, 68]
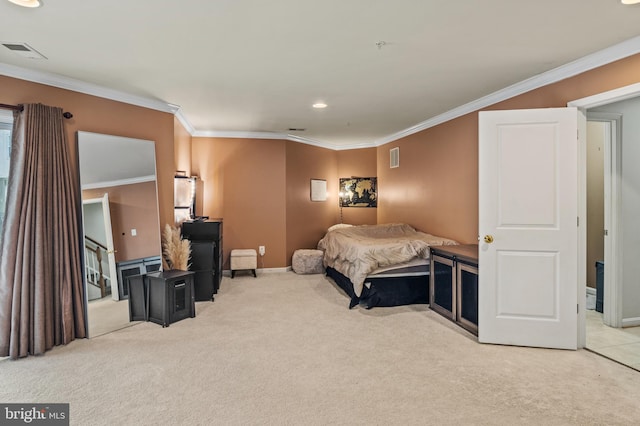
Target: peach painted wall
[261, 189]
[132, 207]
[98, 115]
[360, 163]
[243, 182]
[435, 188]
[307, 221]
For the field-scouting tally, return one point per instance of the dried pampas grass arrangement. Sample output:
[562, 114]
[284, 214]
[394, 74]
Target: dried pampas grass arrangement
[175, 251]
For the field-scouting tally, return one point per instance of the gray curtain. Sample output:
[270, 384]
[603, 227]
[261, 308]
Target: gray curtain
[41, 288]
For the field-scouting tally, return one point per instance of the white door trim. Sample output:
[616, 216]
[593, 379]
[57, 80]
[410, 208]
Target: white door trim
[612, 312]
[605, 98]
[611, 96]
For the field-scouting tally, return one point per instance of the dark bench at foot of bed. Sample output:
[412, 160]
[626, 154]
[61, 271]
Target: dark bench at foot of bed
[385, 291]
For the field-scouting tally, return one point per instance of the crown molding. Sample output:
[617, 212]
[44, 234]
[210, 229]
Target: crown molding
[185, 122]
[586, 63]
[328, 145]
[308, 141]
[74, 85]
[257, 135]
[344, 147]
[276, 135]
[237, 134]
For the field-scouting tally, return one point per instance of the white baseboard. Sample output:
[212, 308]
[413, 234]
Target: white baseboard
[272, 270]
[630, 322]
[591, 290]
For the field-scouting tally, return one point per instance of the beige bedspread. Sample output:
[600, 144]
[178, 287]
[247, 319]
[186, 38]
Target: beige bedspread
[356, 251]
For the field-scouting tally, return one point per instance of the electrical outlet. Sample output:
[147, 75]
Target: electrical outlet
[261, 250]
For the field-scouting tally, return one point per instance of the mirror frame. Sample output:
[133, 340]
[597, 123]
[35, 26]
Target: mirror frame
[80, 212]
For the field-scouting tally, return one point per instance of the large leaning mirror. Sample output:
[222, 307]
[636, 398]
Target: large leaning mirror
[120, 223]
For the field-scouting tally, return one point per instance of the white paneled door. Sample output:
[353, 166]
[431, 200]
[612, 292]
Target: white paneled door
[528, 225]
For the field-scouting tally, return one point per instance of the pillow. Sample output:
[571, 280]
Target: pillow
[338, 226]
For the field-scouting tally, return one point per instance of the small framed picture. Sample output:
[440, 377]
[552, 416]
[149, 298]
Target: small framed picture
[318, 190]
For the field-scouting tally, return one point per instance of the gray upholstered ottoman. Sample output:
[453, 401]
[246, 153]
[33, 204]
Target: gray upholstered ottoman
[307, 261]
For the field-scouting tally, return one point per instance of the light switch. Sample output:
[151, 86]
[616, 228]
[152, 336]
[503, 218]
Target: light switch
[134, 232]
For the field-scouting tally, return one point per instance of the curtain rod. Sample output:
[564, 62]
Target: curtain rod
[21, 108]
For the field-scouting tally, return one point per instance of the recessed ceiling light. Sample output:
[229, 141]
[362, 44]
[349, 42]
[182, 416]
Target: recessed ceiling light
[26, 3]
[319, 105]
[630, 1]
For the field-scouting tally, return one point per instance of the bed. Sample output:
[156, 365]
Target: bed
[380, 265]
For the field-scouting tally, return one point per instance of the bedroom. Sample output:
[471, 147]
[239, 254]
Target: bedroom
[276, 173]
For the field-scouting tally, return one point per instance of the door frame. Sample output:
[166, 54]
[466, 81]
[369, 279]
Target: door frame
[615, 299]
[612, 310]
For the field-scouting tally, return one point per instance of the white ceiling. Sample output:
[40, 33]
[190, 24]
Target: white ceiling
[233, 67]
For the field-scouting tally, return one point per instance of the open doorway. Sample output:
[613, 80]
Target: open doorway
[610, 328]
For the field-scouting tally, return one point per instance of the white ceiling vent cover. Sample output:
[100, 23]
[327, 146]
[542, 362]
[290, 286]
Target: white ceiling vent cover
[24, 50]
[394, 157]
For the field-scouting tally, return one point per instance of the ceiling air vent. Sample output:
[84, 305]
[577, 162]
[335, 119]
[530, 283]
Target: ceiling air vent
[394, 157]
[24, 50]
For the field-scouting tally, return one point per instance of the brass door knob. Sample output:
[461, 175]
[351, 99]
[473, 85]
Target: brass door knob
[488, 239]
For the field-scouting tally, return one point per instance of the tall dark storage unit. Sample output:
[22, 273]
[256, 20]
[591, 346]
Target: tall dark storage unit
[206, 255]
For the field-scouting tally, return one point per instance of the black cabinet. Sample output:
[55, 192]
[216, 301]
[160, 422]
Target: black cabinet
[442, 282]
[203, 265]
[599, 286]
[137, 291]
[467, 295]
[170, 297]
[128, 268]
[161, 297]
[206, 256]
[454, 284]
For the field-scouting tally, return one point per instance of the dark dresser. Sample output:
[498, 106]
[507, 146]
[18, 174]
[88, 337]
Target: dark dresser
[205, 237]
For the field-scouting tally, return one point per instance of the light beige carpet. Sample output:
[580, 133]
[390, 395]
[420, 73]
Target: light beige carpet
[107, 315]
[283, 349]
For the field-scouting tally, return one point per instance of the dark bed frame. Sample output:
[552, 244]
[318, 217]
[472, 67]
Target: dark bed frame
[389, 291]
